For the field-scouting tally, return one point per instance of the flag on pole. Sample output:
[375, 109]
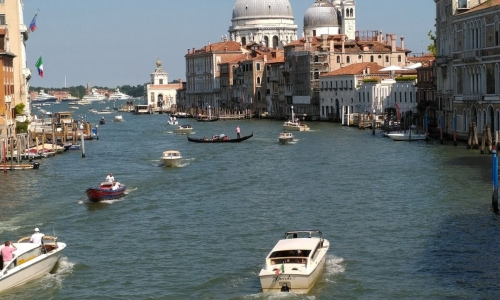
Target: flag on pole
[39, 66]
[33, 22]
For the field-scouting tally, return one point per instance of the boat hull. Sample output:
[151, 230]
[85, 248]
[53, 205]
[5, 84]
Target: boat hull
[171, 162]
[285, 141]
[295, 127]
[96, 194]
[299, 281]
[183, 131]
[31, 270]
[407, 137]
[204, 140]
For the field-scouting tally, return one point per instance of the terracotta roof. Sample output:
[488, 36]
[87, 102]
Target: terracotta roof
[356, 69]
[350, 46]
[484, 5]
[232, 58]
[225, 46]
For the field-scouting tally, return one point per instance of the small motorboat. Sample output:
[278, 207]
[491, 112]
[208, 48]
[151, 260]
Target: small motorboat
[295, 263]
[102, 121]
[295, 126]
[171, 158]
[285, 138]
[30, 261]
[183, 129]
[118, 118]
[106, 191]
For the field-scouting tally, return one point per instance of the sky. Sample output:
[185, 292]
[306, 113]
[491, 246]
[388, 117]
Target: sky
[110, 43]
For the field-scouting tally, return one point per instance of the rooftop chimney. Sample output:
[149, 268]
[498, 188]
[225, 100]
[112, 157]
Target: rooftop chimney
[393, 42]
[403, 42]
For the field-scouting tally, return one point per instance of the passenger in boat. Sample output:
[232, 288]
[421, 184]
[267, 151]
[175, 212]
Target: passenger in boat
[115, 186]
[110, 178]
[36, 238]
[8, 252]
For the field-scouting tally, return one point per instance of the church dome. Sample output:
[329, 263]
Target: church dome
[321, 14]
[250, 9]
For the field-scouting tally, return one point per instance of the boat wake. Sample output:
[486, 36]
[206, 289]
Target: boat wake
[333, 266]
[64, 268]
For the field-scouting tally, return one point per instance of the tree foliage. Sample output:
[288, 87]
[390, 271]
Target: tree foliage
[432, 46]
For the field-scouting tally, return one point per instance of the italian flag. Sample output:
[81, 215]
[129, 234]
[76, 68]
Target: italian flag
[39, 66]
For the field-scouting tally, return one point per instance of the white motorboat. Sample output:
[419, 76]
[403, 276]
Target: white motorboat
[118, 118]
[295, 124]
[295, 263]
[94, 95]
[44, 97]
[30, 261]
[409, 135]
[285, 138]
[171, 158]
[119, 95]
[183, 129]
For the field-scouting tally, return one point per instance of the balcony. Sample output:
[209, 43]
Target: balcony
[472, 56]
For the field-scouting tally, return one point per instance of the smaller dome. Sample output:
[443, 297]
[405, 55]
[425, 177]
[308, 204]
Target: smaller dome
[321, 14]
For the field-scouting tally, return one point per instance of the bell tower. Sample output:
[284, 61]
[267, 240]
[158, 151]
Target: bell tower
[349, 18]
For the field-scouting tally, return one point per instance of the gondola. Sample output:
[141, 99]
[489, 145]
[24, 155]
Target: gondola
[206, 119]
[218, 139]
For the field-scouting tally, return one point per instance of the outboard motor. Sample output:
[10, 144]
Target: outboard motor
[285, 288]
[36, 165]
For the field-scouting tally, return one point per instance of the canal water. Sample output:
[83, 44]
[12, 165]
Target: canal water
[405, 220]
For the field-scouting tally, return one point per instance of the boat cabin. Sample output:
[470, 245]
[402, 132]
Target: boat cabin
[63, 117]
[142, 109]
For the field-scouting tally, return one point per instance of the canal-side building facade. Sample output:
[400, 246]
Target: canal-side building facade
[160, 94]
[203, 73]
[468, 64]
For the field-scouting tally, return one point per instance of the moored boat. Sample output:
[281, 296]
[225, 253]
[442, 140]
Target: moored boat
[30, 261]
[219, 139]
[295, 263]
[106, 191]
[285, 138]
[93, 95]
[171, 158]
[183, 129]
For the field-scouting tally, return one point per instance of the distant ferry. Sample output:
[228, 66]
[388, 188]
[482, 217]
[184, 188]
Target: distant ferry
[119, 96]
[94, 95]
[44, 97]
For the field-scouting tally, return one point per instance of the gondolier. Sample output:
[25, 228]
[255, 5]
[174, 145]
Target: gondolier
[238, 131]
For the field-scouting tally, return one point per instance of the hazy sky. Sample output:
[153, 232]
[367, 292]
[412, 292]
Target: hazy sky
[116, 42]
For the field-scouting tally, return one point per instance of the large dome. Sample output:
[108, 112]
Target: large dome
[249, 9]
[321, 14]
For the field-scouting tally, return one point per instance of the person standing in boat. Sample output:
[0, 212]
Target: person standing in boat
[110, 178]
[36, 238]
[7, 252]
[238, 131]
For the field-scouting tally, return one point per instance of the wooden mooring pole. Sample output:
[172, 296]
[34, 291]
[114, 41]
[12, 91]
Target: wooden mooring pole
[494, 174]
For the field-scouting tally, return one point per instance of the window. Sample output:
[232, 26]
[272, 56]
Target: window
[258, 66]
[2, 20]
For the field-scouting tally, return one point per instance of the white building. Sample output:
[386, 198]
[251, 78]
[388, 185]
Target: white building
[361, 88]
[268, 22]
[161, 95]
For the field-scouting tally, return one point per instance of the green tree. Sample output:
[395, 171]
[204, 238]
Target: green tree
[432, 46]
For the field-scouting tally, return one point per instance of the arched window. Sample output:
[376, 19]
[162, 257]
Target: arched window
[243, 41]
[258, 80]
[348, 59]
[275, 42]
[387, 58]
[266, 41]
[371, 58]
[338, 59]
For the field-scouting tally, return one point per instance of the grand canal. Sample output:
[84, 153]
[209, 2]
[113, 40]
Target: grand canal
[405, 220]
